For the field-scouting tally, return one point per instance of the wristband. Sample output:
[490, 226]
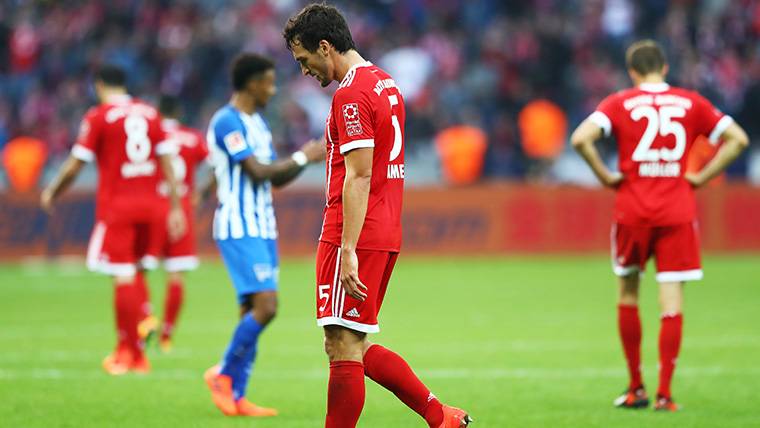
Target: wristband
[300, 158]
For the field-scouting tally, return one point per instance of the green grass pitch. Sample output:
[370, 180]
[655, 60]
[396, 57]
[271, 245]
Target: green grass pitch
[518, 341]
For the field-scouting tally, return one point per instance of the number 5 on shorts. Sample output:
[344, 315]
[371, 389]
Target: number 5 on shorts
[323, 294]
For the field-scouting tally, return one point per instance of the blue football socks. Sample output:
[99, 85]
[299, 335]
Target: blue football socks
[240, 354]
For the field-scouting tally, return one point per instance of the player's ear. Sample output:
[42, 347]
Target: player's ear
[324, 48]
[665, 69]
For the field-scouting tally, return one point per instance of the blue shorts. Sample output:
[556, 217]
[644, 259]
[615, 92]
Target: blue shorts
[252, 263]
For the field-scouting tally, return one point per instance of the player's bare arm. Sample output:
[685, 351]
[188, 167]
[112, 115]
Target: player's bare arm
[66, 175]
[175, 221]
[583, 140]
[355, 196]
[735, 141]
[284, 171]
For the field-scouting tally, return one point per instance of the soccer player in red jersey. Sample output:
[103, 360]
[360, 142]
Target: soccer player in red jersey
[655, 126]
[124, 136]
[190, 150]
[361, 232]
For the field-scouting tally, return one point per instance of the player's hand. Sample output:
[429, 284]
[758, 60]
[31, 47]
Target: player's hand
[315, 150]
[613, 180]
[46, 201]
[176, 224]
[349, 275]
[694, 179]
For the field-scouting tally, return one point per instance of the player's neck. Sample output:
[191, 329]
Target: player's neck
[651, 79]
[344, 62]
[111, 95]
[243, 102]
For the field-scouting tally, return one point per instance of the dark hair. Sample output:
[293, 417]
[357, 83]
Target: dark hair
[247, 66]
[317, 22]
[169, 106]
[111, 75]
[645, 56]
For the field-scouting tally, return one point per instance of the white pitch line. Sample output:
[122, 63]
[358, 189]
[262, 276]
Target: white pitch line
[320, 374]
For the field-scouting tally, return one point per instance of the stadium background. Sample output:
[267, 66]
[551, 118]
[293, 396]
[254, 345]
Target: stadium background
[512, 77]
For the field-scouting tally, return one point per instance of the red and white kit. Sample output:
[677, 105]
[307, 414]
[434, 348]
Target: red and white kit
[124, 136]
[191, 150]
[367, 111]
[655, 126]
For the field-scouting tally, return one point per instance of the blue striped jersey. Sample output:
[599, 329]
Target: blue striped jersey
[245, 207]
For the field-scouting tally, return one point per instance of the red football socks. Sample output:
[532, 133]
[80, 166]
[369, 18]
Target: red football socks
[172, 305]
[345, 394]
[629, 326]
[391, 371]
[670, 343]
[125, 305]
[142, 295]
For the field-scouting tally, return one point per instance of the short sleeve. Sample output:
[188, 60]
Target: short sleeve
[604, 113]
[354, 116]
[230, 137]
[710, 121]
[87, 141]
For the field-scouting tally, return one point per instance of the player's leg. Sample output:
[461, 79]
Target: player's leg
[175, 294]
[671, 302]
[147, 323]
[629, 327]
[180, 256]
[630, 251]
[392, 372]
[345, 388]
[251, 269]
[257, 312]
[678, 260]
[126, 314]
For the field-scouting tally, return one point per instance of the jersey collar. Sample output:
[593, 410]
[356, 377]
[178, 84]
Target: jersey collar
[352, 70]
[654, 87]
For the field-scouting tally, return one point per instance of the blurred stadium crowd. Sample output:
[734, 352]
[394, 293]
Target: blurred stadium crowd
[476, 62]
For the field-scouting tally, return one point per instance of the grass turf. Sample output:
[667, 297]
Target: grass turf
[518, 341]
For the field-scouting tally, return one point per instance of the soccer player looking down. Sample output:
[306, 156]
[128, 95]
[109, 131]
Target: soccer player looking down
[124, 136]
[246, 167]
[655, 126]
[361, 232]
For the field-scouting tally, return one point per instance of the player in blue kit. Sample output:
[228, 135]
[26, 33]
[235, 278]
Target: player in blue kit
[245, 169]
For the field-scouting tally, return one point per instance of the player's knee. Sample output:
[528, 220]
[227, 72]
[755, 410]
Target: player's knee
[268, 313]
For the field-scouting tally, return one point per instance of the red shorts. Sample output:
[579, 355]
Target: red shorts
[126, 236]
[334, 307]
[180, 255]
[675, 249]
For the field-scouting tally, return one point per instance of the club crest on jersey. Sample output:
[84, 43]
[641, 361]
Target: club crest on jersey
[351, 118]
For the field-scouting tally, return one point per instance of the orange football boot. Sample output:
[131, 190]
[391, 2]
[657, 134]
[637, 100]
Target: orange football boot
[165, 345]
[220, 387]
[454, 418]
[147, 328]
[117, 363]
[140, 365]
[632, 399]
[246, 408]
[665, 404]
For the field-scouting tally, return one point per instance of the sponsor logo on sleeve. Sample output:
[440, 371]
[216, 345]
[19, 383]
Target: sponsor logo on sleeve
[235, 142]
[351, 118]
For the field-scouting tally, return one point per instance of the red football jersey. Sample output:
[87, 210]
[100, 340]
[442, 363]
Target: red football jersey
[124, 136]
[655, 126]
[190, 150]
[367, 111]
